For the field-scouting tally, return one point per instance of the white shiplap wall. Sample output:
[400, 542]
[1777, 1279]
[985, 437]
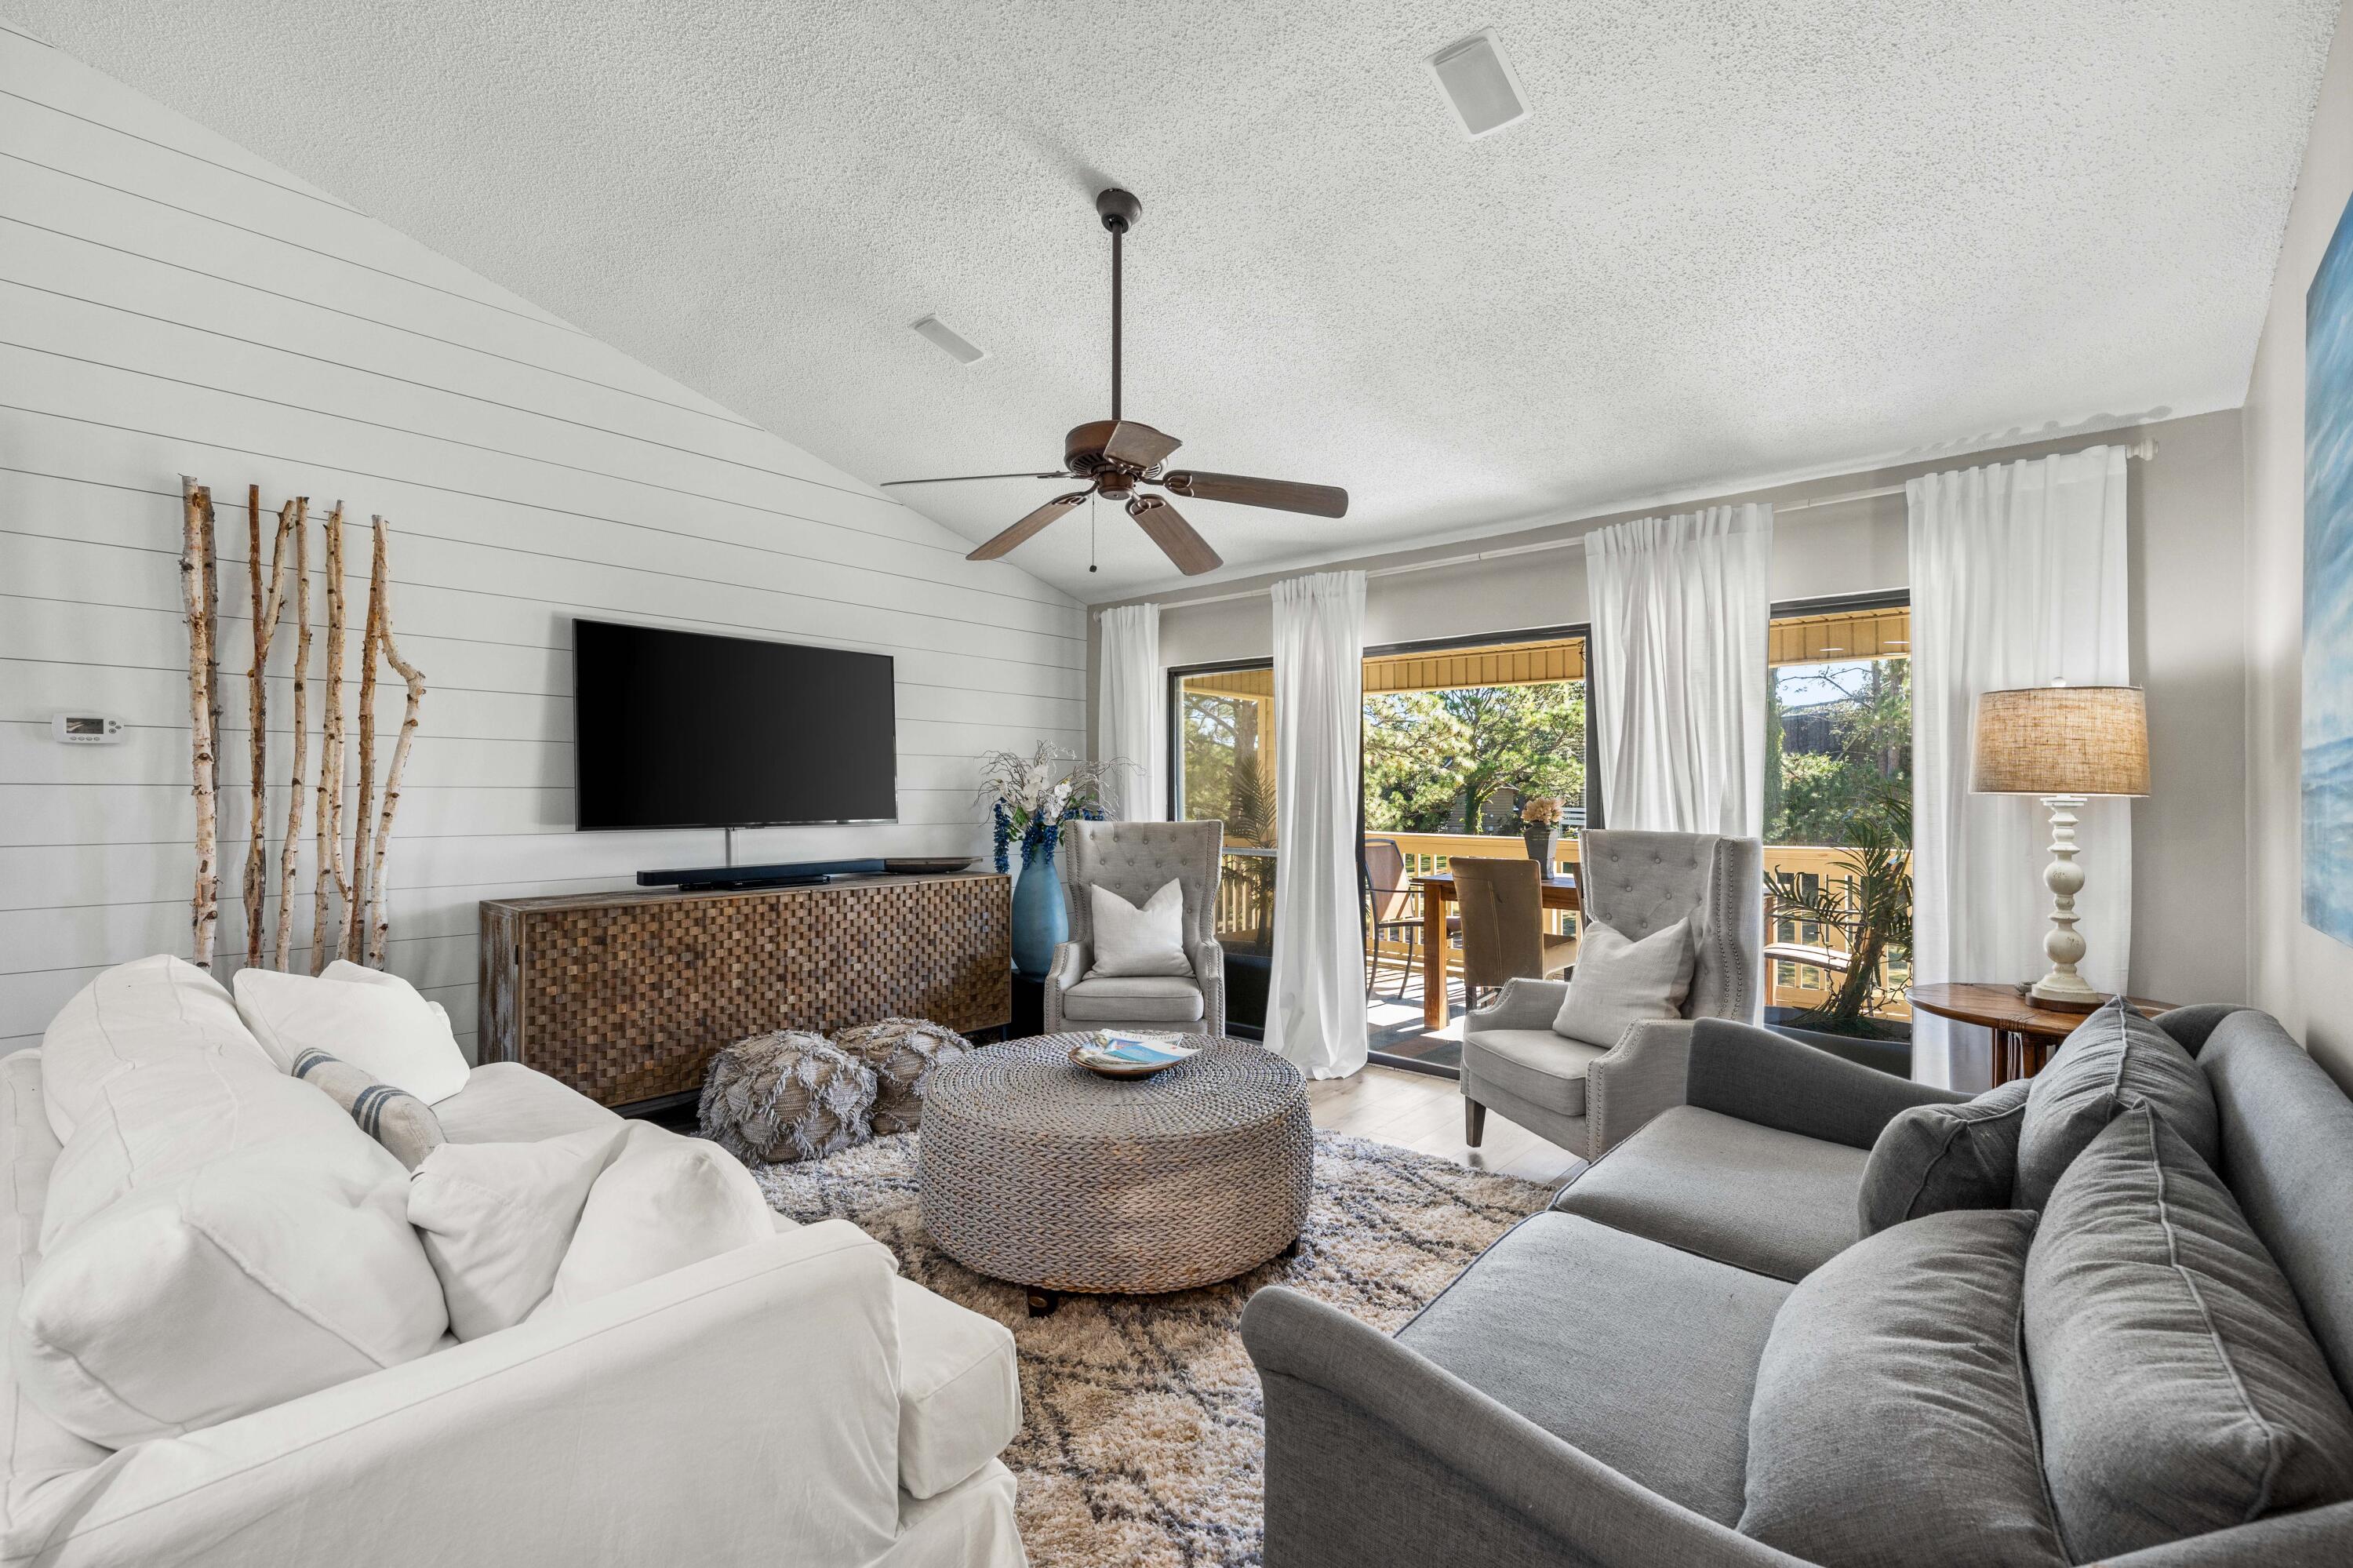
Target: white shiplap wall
[170, 303]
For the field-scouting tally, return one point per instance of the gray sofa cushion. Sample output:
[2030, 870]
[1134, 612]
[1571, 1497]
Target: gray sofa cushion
[2181, 1391]
[1132, 998]
[1933, 1158]
[2115, 1058]
[1535, 1063]
[1892, 1424]
[2285, 1128]
[1638, 1354]
[1754, 1197]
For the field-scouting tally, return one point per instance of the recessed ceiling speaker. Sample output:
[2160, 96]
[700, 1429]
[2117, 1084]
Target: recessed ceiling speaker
[1479, 82]
[949, 341]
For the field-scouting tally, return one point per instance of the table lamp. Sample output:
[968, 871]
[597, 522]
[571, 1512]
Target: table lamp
[2063, 744]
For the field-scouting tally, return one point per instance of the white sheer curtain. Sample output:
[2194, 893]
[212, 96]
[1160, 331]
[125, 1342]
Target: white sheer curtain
[2018, 579]
[1315, 1012]
[1681, 605]
[1132, 711]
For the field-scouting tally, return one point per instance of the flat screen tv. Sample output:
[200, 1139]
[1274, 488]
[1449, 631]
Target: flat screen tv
[680, 729]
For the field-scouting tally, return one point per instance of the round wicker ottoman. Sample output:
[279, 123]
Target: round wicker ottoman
[1038, 1171]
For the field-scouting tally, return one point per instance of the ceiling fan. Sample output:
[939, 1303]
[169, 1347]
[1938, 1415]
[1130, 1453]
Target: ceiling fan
[1115, 455]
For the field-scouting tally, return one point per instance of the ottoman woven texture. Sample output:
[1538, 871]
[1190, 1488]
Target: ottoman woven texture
[1038, 1171]
[784, 1097]
[902, 1052]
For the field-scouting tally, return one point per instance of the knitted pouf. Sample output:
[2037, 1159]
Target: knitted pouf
[902, 1052]
[784, 1097]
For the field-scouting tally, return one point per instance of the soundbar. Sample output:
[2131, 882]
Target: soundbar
[803, 873]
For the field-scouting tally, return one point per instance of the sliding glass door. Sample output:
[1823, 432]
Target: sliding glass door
[1471, 748]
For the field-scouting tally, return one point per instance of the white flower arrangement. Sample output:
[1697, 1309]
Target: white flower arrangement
[1029, 798]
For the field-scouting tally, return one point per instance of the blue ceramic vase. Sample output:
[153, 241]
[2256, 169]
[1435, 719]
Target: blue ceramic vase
[1040, 923]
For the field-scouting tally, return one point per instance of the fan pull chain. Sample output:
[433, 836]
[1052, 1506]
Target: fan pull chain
[1090, 532]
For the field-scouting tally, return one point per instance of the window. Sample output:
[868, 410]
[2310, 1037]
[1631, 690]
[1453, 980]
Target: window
[1224, 759]
[1838, 812]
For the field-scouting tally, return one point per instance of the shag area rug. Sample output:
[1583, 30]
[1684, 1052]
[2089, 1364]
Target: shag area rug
[1142, 1439]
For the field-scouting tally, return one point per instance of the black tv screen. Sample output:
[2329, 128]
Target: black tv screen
[679, 729]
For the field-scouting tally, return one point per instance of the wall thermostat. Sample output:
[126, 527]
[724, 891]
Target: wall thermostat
[85, 729]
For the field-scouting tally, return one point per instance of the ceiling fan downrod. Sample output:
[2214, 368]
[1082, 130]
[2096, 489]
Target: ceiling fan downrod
[1119, 210]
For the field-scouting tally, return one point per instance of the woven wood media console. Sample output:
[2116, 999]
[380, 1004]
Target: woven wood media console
[625, 995]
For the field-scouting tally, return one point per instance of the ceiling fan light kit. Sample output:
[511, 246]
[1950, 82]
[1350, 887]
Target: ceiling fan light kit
[1115, 456]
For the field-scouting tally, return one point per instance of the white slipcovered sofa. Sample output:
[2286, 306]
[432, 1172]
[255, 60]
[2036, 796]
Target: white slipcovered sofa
[789, 1401]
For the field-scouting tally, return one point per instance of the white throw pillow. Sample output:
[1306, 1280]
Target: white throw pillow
[1133, 941]
[263, 1275]
[497, 1218]
[1618, 983]
[664, 1202]
[172, 1116]
[374, 1021]
[158, 1009]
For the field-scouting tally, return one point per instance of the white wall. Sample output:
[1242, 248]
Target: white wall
[170, 303]
[2301, 974]
[2189, 649]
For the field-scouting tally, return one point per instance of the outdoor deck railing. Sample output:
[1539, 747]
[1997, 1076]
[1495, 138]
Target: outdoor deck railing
[1800, 974]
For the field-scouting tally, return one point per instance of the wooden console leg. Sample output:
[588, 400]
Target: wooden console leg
[1475, 1122]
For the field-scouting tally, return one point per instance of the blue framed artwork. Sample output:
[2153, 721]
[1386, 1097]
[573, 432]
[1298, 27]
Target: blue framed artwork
[2328, 738]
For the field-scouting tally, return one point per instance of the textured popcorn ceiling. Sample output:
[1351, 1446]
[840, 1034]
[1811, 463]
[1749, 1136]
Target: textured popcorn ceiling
[1735, 239]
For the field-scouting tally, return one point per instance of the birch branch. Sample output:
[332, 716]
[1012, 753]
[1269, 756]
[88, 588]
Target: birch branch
[195, 553]
[287, 856]
[268, 605]
[332, 877]
[370, 640]
[213, 696]
[380, 925]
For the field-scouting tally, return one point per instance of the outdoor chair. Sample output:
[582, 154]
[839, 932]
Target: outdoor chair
[1396, 910]
[1503, 938]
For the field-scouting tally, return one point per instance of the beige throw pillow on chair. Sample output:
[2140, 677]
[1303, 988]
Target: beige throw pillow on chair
[1133, 941]
[1619, 983]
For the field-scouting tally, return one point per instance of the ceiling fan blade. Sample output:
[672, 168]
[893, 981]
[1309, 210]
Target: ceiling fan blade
[960, 477]
[1167, 527]
[1319, 500]
[1004, 543]
[1139, 445]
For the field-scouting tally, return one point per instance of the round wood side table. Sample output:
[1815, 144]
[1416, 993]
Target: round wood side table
[2025, 1032]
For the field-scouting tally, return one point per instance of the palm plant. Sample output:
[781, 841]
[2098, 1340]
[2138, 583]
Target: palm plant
[1869, 906]
[1250, 820]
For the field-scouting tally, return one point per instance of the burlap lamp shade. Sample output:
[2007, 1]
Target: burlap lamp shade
[2061, 740]
[2063, 744]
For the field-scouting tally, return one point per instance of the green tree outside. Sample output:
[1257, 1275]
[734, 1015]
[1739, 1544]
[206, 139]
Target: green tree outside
[1464, 760]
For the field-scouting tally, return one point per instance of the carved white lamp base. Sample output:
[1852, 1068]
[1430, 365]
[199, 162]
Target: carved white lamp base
[2063, 987]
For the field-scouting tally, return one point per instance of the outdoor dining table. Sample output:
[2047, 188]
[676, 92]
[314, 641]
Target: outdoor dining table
[1437, 892]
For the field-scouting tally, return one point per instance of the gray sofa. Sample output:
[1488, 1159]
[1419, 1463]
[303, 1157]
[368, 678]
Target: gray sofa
[1582, 1393]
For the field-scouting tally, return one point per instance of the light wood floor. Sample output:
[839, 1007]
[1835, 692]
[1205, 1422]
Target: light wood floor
[1425, 1113]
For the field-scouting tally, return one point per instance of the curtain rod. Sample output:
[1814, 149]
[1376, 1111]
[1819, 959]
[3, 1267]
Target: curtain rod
[2141, 451]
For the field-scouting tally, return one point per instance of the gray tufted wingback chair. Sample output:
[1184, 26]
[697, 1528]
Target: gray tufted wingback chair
[1586, 1094]
[1135, 860]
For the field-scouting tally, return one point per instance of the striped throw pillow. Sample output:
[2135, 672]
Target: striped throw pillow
[400, 1121]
